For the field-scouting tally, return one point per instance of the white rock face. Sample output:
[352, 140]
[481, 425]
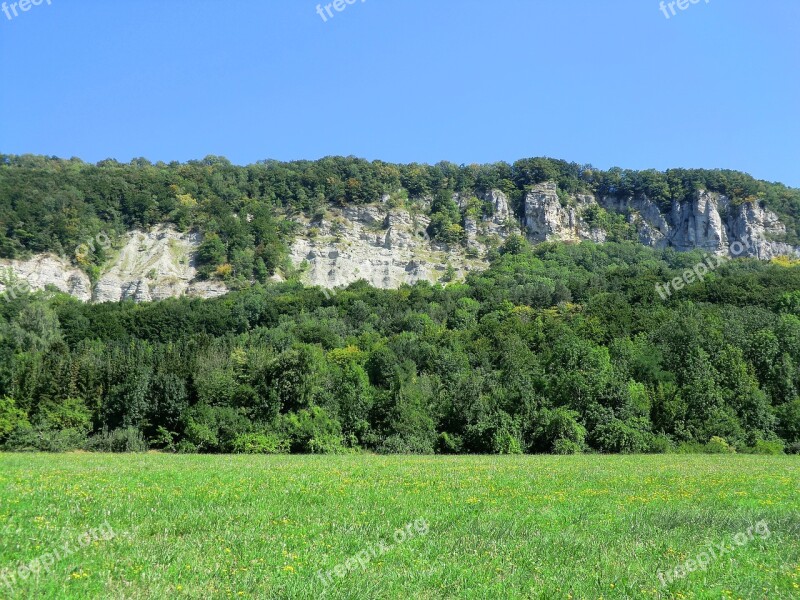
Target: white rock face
[709, 222]
[651, 225]
[387, 248]
[499, 203]
[40, 271]
[151, 265]
[546, 219]
[757, 225]
[698, 224]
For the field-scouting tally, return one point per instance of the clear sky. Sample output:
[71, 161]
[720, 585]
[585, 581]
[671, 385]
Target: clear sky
[607, 82]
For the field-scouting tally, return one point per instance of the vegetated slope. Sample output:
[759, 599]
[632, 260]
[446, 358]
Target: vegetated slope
[337, 220]
[555, 348]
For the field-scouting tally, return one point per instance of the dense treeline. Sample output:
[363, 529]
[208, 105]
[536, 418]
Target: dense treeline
[558, 348]
[49, 204]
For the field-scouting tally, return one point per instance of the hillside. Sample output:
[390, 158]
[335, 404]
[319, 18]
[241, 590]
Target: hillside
[554, 348]
[147, 231]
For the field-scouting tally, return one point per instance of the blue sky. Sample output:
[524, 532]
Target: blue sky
[607, 83]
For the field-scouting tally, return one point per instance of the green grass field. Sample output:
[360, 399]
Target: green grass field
[181, 526]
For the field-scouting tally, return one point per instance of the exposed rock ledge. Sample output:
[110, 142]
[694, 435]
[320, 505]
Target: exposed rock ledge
[389, 247]
[150, 265]
[385, 247]
[42, 270]
[708, 221]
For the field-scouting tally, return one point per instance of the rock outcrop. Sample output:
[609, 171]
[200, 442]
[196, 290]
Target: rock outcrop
[38, 272]
[154, 265]
[150, 265]
[385, 247]
[709, 222]
[546, 218]
[389, 247]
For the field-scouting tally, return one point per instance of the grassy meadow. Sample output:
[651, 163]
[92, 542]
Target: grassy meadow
[190, 526]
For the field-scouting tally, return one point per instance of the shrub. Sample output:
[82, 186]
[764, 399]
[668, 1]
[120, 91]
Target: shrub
[164, 439]
[789, 421]
[718, 445]
[11, 417]
[626, 437]
[765, 447]
[185, 447]
[128, 439]
[214, 428]
[71, 413]
[397, 444]
[449, 443]
[691, 448]
[505, 442]
[327, 444]
[558, 424]
[312, 425]
[564, 446]
[660, 444]
[23, 438]
[27, 438]
[496, 433]
[260, 443]
[64, 440]
[201, 435]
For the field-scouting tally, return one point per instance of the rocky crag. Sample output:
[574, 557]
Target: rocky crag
[388, 246]
[150, 265]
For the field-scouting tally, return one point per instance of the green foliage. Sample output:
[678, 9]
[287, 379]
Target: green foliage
[71, 413]
[449, 444]
[11, 417]
[564, 446]
[313, 431]
[660, 444]
[789, 421]
[558, 426]
[766, 447]
[214, 428]
[554, 348]
[405, 444]
[716, 445]
[211, 254]
[127, 439]
[260, 443]
[625, 437]
[27, 438]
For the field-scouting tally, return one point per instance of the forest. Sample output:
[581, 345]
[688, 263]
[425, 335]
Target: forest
[555, 348]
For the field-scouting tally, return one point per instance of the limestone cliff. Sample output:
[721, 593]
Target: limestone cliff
[709, 222]
[154, 265]
[546, 218]
[40, 271]
[388, 246]
[149, 265]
